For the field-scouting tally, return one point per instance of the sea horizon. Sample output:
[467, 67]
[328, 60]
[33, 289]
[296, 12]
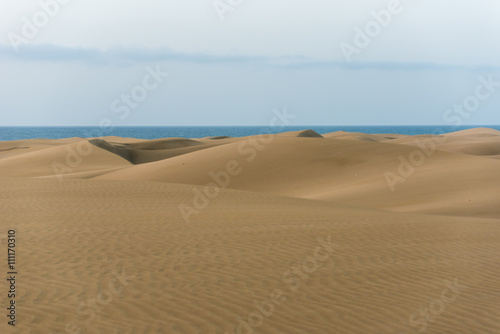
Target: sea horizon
[9, 133]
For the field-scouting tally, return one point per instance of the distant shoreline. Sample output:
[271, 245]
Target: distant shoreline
[156, 132]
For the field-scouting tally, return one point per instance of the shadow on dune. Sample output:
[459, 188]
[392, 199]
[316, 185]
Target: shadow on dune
[150, 151]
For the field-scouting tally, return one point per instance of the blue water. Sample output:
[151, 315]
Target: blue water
[151, 132]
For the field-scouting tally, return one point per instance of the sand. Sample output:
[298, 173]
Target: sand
[293, 233]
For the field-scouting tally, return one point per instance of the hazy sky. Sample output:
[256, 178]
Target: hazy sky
[230, 62]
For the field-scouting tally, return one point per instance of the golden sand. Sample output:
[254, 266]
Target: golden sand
[293, 233]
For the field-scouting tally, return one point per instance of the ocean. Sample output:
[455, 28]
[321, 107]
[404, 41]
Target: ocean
[155, 132]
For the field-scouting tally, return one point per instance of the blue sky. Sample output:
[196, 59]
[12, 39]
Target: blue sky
[232, 62]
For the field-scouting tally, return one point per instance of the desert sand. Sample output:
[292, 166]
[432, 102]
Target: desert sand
[294, 233]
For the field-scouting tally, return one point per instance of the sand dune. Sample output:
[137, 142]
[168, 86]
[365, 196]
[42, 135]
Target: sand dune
[341, 171]
[295, 233]
[474, 132]
[357, 136]
[48, 161]
[305, 133]
[481, 143]
[153, 150]
[13, 148]
[353, 169]
[373, 171]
